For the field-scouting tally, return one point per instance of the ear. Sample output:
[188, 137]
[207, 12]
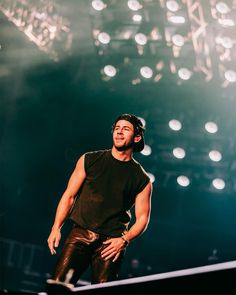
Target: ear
[137, 138]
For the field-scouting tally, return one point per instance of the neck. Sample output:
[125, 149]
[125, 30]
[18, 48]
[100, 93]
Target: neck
[122, 155]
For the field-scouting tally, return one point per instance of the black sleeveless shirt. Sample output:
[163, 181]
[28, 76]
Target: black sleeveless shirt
[108, 193]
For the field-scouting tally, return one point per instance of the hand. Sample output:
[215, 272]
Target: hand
[115, 245]
[53, 240]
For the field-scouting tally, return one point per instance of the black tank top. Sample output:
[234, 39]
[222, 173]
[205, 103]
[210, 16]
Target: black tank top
[108, 193]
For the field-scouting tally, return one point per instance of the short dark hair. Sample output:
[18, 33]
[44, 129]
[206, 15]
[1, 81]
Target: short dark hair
[138, 129]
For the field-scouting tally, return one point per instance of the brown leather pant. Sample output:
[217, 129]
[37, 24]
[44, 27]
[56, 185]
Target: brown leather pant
[82, 249]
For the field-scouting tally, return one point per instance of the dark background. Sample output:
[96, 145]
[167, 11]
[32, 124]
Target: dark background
[52, 111]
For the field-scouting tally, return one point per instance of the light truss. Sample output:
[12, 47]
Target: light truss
[208, 48]
[40, 22]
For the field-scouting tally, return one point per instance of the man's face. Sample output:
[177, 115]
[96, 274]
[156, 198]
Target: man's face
[123, 135]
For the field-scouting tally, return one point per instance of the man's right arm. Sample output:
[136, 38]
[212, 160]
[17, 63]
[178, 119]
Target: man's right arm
[66, 203]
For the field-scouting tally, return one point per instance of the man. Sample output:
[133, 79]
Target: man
[101, 191]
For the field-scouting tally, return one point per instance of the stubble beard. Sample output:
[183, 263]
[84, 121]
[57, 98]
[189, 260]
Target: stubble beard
[124, 147]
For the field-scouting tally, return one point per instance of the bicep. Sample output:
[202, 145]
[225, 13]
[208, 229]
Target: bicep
[143, 202]
[77, 177]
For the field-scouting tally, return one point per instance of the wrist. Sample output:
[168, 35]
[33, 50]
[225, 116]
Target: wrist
[126, 242]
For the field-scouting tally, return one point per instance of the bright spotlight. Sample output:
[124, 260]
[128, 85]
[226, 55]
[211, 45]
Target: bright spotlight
[151, 176]
[211, 127]
[230, 76]
[134, 5]
[215, 155]
[218, 183]
[227, 42]
[178, 40]
[184, 73]
[143, 121]
[137, 18]
[147, 150]
[98, 5]
[183, 180]
[172, 5]
[176, 19]
[222, 7]
[146, 72]
[175, 125]
[179, 153]
[109, 70]
[226, 22]
[104, 38]
[140, 39]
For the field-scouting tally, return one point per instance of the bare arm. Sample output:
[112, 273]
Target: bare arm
[142, 217]
[142, 213]
[65, 204]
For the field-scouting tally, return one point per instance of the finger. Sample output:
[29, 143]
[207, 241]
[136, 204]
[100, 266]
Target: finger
[116, 257]
[108, 249]
[109, 256]
[52, 250]
[107, 241]
[106, 252]
[56, 244]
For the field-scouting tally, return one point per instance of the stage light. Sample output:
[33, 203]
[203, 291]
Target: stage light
[98, 5]
[140, 39]
[175, 125]
[183, 180]
[184, 73]
[137, 18]
[104, 38]
[215, 155]
[226, 22]
[230, 76]
[218, 183]
[134, 5]
[226, 42]
[211, 127]
[176, 19]
[110, 70]
[222, 7]
[152, 177]
[146, 72]
[143, 121]
[147, 150]
[179, 153]
[172, 5]
[178, 40]
[42, 24]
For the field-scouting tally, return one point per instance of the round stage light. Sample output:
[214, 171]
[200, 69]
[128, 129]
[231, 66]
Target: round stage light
[137, 18]
[146, 72]
[211, 127]
[184, 73]
[98, 5]
[179, 153]
[140, 39]
[134, 5]
[222, 7]
[175, 125]
[152, 177]
[147, 150]
[178, 40]
[218, 183]
[104, 38]
[183, 180]
[230, 76]
[172, 5]
[215, 155]
[109, 70]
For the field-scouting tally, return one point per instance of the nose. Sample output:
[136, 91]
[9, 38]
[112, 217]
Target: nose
[120, 131]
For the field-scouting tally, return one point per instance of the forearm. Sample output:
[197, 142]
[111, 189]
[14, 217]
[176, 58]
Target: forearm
[63, 210]
[137, 229]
